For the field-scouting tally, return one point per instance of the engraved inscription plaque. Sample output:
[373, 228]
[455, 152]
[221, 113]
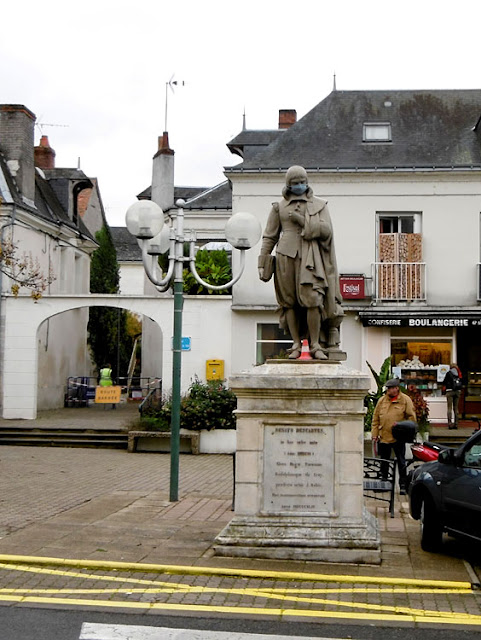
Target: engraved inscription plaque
[298, 469]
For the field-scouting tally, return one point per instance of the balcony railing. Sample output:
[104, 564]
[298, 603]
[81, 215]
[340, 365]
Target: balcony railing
[399, 281]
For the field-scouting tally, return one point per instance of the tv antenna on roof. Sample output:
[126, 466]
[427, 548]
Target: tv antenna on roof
[171, 83]
[48, 124]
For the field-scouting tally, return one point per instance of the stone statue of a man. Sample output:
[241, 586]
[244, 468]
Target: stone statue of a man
[306, 279]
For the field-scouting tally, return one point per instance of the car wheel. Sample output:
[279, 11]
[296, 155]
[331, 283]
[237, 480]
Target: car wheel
[431, 527]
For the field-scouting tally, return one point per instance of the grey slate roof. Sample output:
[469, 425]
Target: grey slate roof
[219, 197]
[47, 204]
[179, 192]
[429, 129]
[250, 141]
[52, 196]
[8, 187]
[126, 245]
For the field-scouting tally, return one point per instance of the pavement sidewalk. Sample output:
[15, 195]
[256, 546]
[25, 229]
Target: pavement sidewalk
[91, 508]
[96, 416]
[100, 504]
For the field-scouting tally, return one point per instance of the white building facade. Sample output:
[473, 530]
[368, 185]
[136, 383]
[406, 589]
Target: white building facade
[401, 172]
[41, 212]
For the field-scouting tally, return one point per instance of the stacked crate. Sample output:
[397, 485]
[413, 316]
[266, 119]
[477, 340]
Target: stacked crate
[399, 277]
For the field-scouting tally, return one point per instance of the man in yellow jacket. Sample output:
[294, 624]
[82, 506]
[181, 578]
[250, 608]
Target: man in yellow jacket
[393, 407]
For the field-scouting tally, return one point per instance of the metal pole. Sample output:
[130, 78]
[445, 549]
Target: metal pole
[166, 87]
[177, 358]
[118, 345]
[238, 232]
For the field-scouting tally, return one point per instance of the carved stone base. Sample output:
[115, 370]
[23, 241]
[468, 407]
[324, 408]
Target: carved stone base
[299, 465]
[298, 538]
[336, 355]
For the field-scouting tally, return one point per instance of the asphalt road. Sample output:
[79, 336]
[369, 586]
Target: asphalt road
[25, 623]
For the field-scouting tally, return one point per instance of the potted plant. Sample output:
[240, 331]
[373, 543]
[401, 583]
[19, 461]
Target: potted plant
[421, 409]
[206, 409]
[372, 398]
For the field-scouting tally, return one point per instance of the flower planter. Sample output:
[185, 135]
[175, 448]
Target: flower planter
[218, 441]
[215, 441]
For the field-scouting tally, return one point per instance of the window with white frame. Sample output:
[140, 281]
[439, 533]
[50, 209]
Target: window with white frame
[376, 132]
[399, 223]
[271, 341]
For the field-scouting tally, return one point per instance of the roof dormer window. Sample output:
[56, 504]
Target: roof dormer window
[376, 132]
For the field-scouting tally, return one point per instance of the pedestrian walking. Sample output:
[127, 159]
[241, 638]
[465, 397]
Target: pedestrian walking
[452, 386]
[392, 408]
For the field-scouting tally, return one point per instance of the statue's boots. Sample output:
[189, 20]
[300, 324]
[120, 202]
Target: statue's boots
[333, 340]
[294, 351]
[317, 353]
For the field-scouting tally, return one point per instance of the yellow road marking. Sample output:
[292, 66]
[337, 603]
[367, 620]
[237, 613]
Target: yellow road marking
[264, 590]
[450, 618]
[361, 610]
[74, 574]
[248, 573]
[454, 587]
[372, 590]
[257, 593]
[173, 587]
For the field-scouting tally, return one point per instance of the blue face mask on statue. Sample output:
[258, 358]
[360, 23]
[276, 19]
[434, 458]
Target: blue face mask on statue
[298, 189]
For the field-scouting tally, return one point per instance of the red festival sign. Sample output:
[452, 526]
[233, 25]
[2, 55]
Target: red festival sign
[352, 287]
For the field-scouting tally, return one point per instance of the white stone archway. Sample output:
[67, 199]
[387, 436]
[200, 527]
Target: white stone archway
[23, 318]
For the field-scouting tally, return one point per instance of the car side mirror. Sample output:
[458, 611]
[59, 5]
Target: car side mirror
[446, 456]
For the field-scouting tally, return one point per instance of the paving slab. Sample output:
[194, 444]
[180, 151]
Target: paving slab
[80, 500]
[109, 505]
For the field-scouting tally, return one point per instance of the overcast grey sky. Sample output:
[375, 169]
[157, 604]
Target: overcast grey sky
[97, 70]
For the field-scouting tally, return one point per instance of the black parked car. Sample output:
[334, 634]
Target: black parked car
[446, 495]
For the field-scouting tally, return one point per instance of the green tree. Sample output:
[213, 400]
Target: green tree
[213, 267]
[104, 268]
[108, 339]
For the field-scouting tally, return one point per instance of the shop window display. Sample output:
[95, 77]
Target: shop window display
[422, 364]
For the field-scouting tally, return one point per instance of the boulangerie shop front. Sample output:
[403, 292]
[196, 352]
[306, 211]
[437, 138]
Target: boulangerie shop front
[423, 345]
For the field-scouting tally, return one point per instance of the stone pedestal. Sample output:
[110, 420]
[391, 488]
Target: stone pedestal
[299, 465]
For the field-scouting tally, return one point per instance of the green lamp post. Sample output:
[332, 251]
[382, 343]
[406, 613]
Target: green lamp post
[145, 220]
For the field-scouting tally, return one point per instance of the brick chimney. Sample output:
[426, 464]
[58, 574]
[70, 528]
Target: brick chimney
[287, 117]
[16, 141]
[163, 174]
[44, 155]
[164, 147]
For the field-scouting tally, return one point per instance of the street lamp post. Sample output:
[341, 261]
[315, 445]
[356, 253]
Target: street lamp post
[145, 220]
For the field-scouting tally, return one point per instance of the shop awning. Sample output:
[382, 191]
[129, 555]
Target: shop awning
[426, 317]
